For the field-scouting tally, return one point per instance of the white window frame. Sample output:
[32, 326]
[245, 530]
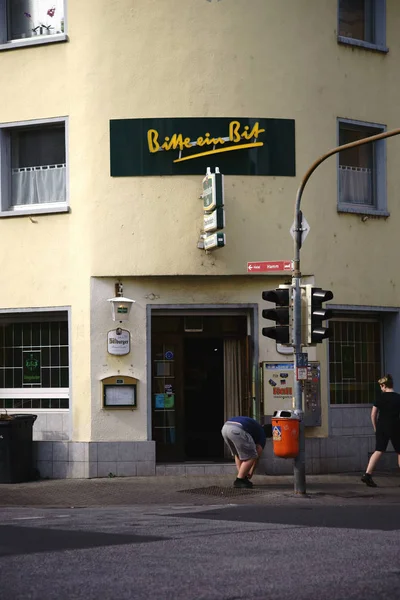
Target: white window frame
[389, 316]
[380, 192]
[361, 317]
[379, 19]
[6, 210]
[6, 44]
[40, 392]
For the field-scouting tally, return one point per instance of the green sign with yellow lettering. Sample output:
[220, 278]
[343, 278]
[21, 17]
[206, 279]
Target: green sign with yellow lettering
[187, 146]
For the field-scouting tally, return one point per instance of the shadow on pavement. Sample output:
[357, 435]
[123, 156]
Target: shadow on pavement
[383, 518]
[16, 540]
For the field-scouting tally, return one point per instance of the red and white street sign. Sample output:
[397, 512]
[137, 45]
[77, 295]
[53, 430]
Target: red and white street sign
[268, 266]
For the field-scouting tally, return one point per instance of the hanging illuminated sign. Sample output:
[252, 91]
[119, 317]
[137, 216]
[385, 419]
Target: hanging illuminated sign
[215, 220]
[214, 213]
[213, 191]
[186, 146]
[215, 240]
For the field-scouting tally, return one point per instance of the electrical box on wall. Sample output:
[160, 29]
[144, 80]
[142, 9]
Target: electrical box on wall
[119, 391]
[278, 390]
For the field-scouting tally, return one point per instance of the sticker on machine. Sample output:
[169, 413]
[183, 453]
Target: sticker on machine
[276, 433]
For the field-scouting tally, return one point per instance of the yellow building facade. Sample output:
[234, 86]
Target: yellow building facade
[110, 115]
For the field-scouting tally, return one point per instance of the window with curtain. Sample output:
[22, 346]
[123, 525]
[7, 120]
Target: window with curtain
[38, 164]
[361, 170]
[30, 18]
[33, 167]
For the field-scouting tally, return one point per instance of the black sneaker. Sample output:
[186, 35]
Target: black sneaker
[367, 479]
[242, 483]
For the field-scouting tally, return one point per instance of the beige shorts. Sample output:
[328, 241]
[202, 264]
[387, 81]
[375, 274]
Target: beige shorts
[240, 442]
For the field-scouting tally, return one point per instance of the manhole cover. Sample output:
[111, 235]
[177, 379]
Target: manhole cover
[226, 492]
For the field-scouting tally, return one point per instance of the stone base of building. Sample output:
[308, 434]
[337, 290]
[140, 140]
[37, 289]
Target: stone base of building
[189, 469]
[336, 454]
[85, 460]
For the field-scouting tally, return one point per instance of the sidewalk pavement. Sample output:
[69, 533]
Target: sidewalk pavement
[337, 489]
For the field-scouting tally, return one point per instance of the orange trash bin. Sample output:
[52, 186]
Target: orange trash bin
[285, 433]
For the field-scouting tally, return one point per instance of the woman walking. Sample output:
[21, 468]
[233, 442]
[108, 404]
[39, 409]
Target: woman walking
[385, 417]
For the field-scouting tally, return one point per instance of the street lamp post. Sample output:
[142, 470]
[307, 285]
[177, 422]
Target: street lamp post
[299, 462]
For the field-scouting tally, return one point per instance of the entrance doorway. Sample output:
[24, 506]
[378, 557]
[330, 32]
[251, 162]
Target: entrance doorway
[201, 375]
[203, 398]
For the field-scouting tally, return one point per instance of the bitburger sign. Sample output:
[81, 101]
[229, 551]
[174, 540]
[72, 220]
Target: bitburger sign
[119, 342]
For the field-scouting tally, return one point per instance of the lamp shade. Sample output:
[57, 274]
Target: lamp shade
[120, 308]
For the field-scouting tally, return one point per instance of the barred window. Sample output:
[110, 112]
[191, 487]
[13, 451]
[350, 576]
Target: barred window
[34, 361]
[355, 362]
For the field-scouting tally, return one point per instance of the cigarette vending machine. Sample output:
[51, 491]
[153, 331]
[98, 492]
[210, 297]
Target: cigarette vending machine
[277, 380]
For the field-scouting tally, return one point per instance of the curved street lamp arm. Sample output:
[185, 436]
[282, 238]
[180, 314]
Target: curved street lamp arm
[321, 159]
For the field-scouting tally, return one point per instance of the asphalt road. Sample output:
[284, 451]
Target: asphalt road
[179, 552]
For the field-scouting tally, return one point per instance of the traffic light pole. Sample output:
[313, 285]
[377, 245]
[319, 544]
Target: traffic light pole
[299, 461]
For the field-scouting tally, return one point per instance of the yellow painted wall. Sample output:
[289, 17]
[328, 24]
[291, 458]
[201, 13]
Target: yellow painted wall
[192, 58]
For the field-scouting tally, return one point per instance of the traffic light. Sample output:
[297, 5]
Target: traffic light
[317, 314]
[281, 314]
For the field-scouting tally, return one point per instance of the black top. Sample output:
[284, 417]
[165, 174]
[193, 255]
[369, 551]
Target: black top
[389, 408]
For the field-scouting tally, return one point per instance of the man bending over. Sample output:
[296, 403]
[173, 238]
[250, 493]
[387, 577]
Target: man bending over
[246, 440]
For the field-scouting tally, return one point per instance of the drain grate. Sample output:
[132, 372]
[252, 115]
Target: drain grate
[222, 492]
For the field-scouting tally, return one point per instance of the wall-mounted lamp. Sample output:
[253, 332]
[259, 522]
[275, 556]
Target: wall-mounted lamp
[120, 306]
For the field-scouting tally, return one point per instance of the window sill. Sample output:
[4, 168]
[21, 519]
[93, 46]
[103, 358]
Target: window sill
[29, 411]
[35, 210]
[34, 41]
[362, 210]
[361, 44]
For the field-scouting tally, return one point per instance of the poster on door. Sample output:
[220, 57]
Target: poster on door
[165, 400]
[31, 367]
